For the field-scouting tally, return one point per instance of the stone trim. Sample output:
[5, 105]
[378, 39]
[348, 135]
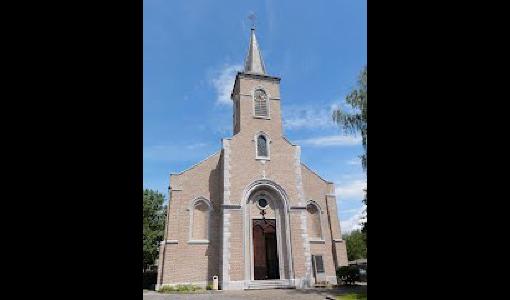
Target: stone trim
[321, 217]
[162, 248]
[313, 202]
[338, 241]
[307, 252]
[226, 171]
[319, 241]
[287, 140]
[198, 242]
[198, 199]
[299, 178]
[191, 209]
[296, 207]
[225, 278]
[269, 98]
[304, 230]
[316, 173]
[231, 206]
[169, 242]
[247, 244]
[193, 166]
[225, 248]
[268, 142]
[261, 117]
[257, 76]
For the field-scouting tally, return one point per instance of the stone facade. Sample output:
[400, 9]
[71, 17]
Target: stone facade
[229, 183]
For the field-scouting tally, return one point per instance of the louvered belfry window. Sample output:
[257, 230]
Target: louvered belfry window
[261, 146]
[260, 99]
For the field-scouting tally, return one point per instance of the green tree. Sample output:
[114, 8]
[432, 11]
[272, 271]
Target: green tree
[154, 215]
[355, 122]
[364, 229]
[356, 247]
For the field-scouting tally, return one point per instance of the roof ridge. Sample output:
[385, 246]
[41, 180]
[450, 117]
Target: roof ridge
[327, 181]
[195, 165]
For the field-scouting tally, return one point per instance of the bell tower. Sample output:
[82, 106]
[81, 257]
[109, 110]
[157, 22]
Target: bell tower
[256, 96]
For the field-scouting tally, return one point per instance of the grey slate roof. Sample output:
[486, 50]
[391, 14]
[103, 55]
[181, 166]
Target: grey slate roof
[253, 63]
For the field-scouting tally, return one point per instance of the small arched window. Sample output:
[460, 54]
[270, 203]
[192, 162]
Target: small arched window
[262, 146]
[314, 222]
[261, 104]
[200, 214]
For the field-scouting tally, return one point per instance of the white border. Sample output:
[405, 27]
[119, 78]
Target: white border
[268, 142]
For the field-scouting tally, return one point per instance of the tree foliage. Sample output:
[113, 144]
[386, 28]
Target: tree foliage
[154, 215]
[348, 274]
[355, 122]
[356, 247]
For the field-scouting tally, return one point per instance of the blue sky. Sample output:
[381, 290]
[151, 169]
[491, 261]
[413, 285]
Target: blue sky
[191, 51]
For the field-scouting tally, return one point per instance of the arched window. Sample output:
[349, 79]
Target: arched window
[262, 150]
[261, 104]
[314, 221]
[199, 217]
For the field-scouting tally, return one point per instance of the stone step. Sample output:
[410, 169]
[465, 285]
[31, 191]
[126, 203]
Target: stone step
[269, 284]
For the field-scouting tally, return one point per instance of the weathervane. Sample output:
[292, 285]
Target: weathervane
[252, 17]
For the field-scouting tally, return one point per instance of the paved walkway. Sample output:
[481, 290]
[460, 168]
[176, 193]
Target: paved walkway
[257, 294]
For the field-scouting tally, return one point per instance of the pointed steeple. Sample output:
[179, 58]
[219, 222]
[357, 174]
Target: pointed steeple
[254, 63]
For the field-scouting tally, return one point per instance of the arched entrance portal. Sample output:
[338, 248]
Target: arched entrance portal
[267, 233]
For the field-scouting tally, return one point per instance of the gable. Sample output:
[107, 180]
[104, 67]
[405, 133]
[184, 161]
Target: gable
[199, 172]
[305, 168]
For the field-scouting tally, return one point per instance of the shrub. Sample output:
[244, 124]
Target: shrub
[149, 279]
[348, 274]
[180, 288]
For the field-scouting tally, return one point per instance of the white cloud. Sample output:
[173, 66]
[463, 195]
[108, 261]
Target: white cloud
[354, 222]
[173, 153]
[347, 211]
[354, 162]
[332, 140]
[223, 82]
[307, 116]
[351, 190]
[195, 146]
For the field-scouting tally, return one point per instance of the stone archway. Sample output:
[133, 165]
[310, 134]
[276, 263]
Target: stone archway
[276, 212]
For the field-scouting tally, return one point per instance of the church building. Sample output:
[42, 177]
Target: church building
[252, 213]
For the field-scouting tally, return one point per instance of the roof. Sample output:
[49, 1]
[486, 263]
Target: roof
[195, 165]
[253, 62]
[316, 173]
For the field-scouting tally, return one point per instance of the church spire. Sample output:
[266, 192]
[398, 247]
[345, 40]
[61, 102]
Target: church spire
[254, 63]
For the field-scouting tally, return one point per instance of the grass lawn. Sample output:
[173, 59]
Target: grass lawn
[353, 296]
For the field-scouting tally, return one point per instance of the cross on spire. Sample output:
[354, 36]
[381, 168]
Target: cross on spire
[252, 17]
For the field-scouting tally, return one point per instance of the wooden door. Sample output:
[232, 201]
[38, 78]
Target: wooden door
[265, 253]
